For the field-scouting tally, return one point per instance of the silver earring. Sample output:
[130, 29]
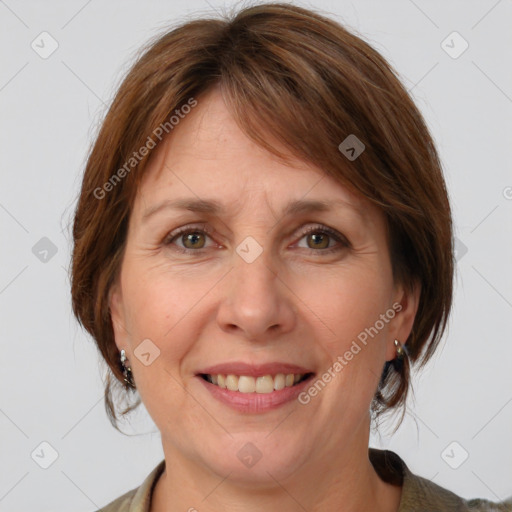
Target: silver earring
[400, 352]
[127, 372]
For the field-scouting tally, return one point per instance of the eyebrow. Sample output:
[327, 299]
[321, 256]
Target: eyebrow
[213, 207]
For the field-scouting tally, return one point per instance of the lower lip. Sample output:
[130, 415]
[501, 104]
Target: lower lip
[255, 402]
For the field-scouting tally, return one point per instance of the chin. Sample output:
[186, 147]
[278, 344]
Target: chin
[258, 459]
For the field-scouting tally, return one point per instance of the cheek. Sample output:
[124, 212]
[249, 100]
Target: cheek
[160, 298]
[348, 304]
[167, 306]
[351, 335]
[157, 308]
[355, 346]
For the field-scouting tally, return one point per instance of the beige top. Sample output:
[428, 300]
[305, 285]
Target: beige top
[418, 494]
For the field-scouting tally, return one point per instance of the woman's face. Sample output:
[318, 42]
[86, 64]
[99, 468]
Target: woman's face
[252, 280]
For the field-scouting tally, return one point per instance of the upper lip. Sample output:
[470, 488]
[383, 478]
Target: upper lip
[253, 370]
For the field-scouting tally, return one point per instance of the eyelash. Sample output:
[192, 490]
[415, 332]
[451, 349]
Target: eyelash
[171, 237]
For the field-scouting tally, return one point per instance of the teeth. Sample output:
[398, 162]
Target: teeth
[264, 384]
[279, 381]
[232, 382]
[248, 384]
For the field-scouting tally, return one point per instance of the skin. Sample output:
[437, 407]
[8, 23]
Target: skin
[294, 303]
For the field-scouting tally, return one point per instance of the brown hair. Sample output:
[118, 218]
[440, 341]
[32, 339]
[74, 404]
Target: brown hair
[292, 74]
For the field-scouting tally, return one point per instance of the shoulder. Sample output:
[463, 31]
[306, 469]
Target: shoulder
[121, 504]
[138, 499]
[420, 494]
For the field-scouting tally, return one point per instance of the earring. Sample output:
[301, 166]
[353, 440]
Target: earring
[127, 372]
[400, 350]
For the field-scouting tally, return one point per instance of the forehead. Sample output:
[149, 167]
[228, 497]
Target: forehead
[208, 163]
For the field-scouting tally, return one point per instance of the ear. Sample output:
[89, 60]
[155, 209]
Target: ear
[115, 303]
[405, 304]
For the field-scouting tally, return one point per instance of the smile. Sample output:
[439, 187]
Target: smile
[263, 384]
[255, 394]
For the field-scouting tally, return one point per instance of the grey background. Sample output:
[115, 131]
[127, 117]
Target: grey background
[50, 373]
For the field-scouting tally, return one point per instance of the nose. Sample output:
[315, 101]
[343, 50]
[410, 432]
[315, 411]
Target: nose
[256, 303]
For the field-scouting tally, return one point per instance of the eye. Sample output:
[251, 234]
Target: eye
[319, 238]
[191, 238]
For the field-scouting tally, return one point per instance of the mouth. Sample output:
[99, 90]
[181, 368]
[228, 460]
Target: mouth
[255, 389]
[263, 384]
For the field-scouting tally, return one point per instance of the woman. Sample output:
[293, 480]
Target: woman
[263, 246]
